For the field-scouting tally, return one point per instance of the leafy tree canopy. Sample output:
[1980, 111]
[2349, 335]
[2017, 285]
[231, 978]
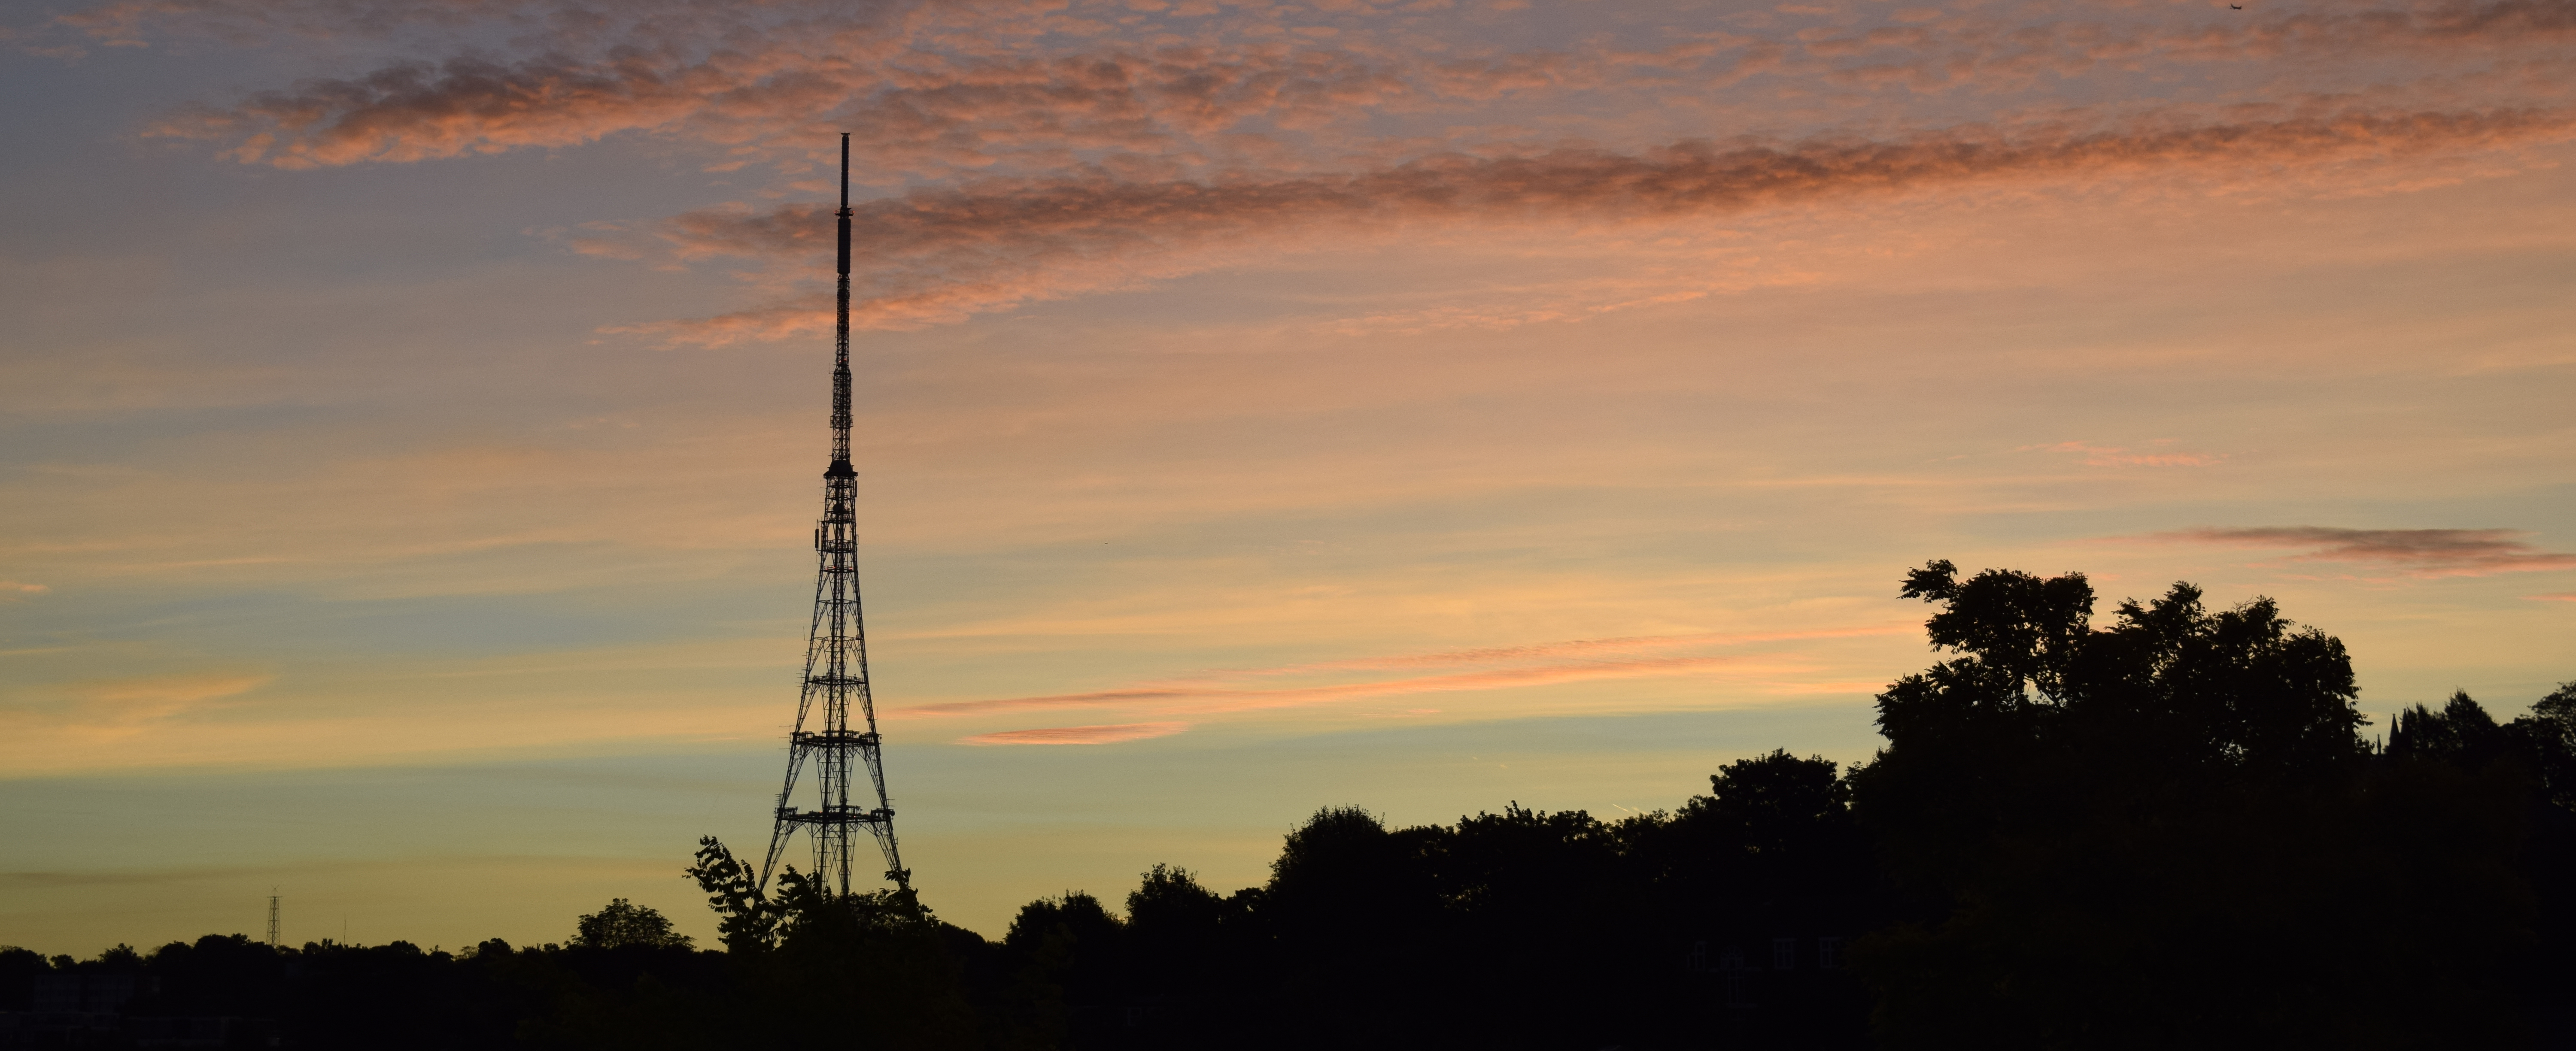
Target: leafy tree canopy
[623, 924]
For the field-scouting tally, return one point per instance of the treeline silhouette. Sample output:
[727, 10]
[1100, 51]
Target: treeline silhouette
[2169, 830]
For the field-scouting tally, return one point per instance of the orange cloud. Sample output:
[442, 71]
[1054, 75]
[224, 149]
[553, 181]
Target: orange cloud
[2563, 596]
[413, 112]
[940, 255]
[914, 120]
[171, 690]
[908, 110]
[1994, 54]
[928, 91]
[1110, 734]
[115, 710]
[2420, 552]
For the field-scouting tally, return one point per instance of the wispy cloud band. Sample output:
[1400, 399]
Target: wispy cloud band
[1479, 669]
[939, 255]
[928, 91]
[1214, 699]
[2418, 552]
[1104, 734]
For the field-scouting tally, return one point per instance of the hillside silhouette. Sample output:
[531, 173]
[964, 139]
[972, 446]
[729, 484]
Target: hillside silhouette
[2169, 829]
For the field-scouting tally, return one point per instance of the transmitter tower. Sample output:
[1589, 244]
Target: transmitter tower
[835, 740]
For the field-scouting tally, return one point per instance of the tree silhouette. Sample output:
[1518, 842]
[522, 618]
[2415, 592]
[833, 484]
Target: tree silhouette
[623, 925]
[745, 918]
[2169, 832]
[2547, 738]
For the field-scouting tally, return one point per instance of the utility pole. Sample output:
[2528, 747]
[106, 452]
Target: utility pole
[836, 718]
[272, 918]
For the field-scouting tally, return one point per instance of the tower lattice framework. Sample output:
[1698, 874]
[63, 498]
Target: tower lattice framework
[836, 718]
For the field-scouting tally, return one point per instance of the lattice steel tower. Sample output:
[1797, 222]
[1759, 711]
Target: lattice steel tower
[835, 695]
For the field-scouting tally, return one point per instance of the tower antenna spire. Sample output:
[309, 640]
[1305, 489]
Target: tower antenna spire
[836, 655]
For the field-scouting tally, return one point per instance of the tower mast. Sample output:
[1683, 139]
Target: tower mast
[836, 655]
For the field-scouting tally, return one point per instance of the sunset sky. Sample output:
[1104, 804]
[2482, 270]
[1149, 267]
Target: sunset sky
[412, 412]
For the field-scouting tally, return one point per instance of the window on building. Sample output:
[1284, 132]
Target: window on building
[1829, 953]
[1699, 956]
[1784, 954]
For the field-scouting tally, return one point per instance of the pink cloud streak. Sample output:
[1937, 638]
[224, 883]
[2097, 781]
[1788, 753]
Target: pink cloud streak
[1210, 699]
[1108, 734]
[1547, 650]
[1204, 692]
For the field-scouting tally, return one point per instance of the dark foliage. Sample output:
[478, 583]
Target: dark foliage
[625, 925]
[1523, 929]
[2166, 831]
